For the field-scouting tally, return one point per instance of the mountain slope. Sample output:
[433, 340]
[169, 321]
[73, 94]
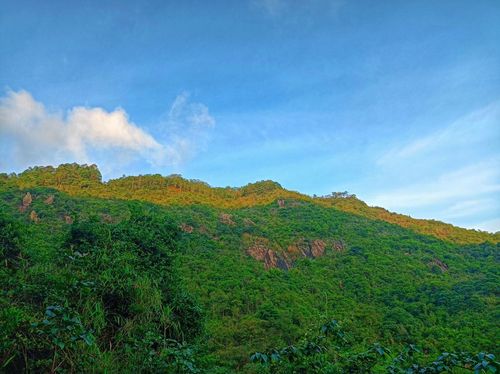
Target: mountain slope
[263, 263]
[87, 181]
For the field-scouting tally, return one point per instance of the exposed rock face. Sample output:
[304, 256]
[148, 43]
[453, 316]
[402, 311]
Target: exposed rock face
[339, 245]
[248, 222]
[259, 249]
[281, 203]
[318, 248]
[440, 264]
[68, 219]
[186, 228]
[227, 219]
[49, 200]
[27, 200]
[106, 218]
[203, 230]
[307, 248]
[304, 247]
[270, 258]
[34, 217]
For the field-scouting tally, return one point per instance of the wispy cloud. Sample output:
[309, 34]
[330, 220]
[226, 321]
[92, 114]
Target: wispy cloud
[271, 7]
[492, 225]
[186, 128]
[470, 181]
[452, 173]
[469, 207]
[472, 128]
[32, 134]
[275, 8]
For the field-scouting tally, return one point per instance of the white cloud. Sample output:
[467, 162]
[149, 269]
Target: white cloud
[186, 127]
[480, 125]
[193, 116]
[451, 174]
[31, 134]
[492, 225]
[469, 207]
[467, 182]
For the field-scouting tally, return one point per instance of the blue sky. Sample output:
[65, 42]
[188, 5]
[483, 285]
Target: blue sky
[395, 101]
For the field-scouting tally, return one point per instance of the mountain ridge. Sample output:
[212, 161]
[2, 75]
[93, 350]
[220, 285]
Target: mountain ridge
[86, 180]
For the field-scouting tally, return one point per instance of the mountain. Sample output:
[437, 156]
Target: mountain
[83, 180]
[164, 273]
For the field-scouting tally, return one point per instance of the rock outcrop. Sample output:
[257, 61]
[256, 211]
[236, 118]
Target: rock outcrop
[307, 248]
[339, 245]
[318, 248]
[248, 222]
[49, 200]
[106, 218]
[227, 219]
[440, 264]
[203, 230]
[27, 200]
[269, 257]
[34, 217]
[260, 249]
[186, 228]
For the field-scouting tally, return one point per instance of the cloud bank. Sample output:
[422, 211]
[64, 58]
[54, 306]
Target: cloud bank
[452, 172]
[30, 134]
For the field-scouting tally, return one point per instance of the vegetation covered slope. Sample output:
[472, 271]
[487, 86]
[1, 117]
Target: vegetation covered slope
[86, 181]
[103, 282]
[91, 295]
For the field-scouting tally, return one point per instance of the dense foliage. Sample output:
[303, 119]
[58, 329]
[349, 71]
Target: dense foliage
[95, 295]
[104, 282]
[329, 352]
[86, 181]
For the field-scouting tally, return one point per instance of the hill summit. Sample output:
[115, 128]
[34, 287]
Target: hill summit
[86, 180]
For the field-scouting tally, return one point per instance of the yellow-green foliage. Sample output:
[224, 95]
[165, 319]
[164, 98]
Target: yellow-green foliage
[83, 180]
[440, 230]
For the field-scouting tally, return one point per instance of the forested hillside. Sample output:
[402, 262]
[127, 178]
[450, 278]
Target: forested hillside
[161, 274]
[85, 180]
